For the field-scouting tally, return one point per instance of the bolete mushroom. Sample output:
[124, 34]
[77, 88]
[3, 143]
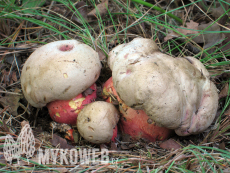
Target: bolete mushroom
[59, 70]
[176, 93]
[97, 122]
[66, 111]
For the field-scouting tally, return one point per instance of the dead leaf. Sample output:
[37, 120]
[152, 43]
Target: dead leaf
[4, 127]
[101, 9]
[113, 146]
[170, 144]
[23, 123]
[209, 39]
[227, 112]
[14, 76]
[222, 145]
[57, 140]
[226, 42]
[56, 9]
[82, 10]
[224, 91]
[12, 101]
[101, 54]
[5, 77]
[219, 11]
[191, 26]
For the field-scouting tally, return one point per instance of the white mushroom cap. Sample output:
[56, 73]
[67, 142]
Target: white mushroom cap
[96, 122]
[174, 92]
[59, 71]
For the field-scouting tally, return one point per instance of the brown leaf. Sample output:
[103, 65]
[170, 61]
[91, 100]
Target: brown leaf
[219, 11]
[23, 123]
[113, 146]
[101, 54]
[57, 140]
[224, 91]
[4, 127]
[209, 39]
[170, 144]
[101, 9]
[58, 10]
[82, 9]
[12, 101]
[191, 26]
[227, 112]
[14, 76]
[226, 43]
[222, 145]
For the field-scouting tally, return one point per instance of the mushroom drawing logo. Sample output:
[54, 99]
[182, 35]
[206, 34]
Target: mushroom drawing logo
[25, 144]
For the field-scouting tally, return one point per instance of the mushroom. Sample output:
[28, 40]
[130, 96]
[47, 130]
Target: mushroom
[59, 71]
[97, 122]
[176, 93]
[134, 123]
[66, 111]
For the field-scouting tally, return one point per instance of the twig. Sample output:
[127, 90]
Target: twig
[8, 92]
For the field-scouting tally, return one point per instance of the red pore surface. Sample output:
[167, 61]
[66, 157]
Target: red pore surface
[66, 47]
[66, 111]
[137, 124]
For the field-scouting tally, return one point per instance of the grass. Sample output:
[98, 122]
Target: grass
[119, 26]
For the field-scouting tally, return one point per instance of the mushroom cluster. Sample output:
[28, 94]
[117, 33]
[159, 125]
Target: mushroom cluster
[154, 93]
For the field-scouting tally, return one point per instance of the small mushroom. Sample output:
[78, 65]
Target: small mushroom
[66, 111]
[97, 122]
[59, 71]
